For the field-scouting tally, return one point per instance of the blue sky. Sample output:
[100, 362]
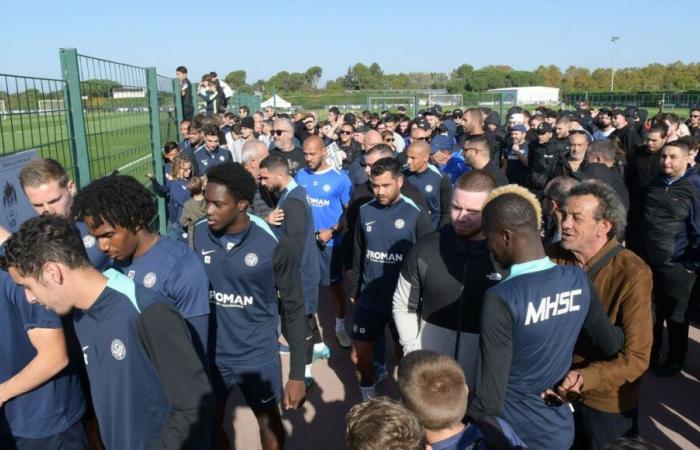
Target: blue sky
[266, 37]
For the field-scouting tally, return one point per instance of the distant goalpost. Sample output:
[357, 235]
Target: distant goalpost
[52, 106]
[391, 103]
[446, 100]
[3, 111]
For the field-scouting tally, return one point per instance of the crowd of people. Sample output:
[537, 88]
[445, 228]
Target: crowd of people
[527, 272]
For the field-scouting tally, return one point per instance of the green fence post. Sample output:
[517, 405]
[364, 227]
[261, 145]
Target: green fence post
[70, 72]
[500, 106]
[179, 114]
[152, 83]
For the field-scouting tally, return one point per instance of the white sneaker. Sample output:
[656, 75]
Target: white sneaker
[343, 338]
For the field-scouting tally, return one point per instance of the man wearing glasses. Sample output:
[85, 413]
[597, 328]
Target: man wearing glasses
[348, 144]
[477, 153]
[282, 135]
[694, 122]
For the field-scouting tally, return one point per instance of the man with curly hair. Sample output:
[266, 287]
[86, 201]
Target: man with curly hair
[118, 210]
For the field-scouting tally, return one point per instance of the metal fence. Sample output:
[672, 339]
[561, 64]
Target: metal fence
[33, 116]
[654, 100]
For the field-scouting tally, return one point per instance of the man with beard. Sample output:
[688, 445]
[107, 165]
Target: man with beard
[283, 137]
[605, 125]
[437, 302]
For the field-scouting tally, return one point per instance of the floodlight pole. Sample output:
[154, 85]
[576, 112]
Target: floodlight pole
[614, 40]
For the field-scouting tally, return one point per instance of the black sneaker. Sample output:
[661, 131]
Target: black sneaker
[669, 369]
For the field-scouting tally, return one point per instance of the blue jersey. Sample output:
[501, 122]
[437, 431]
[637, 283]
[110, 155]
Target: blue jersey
[383, 236]
[328, 193]
[548, 309]
[99, 260]
[173, 270]
[205, 160]
[178, 194]
[294, 223]
[129, 400]
[242, 292]
[434, 185]
[55, 405]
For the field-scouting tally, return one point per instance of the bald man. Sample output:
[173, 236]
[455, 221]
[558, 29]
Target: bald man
[434, 184]
[252, 153]
[328, 194]
[372, 138]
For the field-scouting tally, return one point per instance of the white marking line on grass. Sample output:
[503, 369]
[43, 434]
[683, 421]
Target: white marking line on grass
[126, 166]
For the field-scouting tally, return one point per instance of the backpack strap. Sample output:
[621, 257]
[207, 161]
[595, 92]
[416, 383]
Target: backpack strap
[595, 268]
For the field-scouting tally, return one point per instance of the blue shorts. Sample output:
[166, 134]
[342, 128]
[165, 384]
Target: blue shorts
[369, 325]
[331, 261]
[261, 386]
[71, 439]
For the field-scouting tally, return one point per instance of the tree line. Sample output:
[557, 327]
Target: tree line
[465, 78]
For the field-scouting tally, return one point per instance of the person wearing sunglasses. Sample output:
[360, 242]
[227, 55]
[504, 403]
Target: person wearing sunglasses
[694, 122]
[348, 144]
[283, 138]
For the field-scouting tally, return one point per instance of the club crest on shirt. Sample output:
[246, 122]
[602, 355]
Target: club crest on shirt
[118, 349]
[89, 241]
[149, 280]
[399, 224]
[251, 260]
[326, 188]
[131, 274]
[221, 158]
[428, 188]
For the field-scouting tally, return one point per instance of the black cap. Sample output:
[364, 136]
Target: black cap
[248, 122]
[544, 128]
[349, 118]
[424, 125]
[433, 112]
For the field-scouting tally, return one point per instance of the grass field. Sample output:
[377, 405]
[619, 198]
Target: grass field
[116, 140]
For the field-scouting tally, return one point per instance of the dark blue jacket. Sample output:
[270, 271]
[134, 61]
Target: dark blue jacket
[298, 225]
[671, 226]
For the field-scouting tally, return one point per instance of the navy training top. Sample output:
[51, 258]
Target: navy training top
[57, 404]
[383, 236]
[242, 292]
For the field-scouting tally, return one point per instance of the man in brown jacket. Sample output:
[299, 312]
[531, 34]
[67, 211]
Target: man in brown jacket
[593, 218]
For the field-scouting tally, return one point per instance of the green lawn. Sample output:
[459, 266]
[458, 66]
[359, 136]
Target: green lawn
[115, 139]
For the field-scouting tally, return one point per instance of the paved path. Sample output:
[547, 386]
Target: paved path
[670, 408]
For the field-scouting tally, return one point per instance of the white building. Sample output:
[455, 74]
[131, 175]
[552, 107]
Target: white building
[530, 95]
[129, 92]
